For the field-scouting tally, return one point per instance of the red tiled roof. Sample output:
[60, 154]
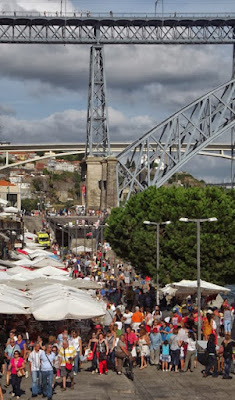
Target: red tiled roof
[6, 183]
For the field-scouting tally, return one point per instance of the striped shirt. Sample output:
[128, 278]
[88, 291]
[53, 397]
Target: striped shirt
[65, 354]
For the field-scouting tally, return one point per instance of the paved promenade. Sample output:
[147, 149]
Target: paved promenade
[149, 384]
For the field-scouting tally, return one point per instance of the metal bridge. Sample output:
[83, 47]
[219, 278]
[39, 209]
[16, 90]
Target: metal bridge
[99, 29]
[157, 155]
[141, 165]
[222, 150]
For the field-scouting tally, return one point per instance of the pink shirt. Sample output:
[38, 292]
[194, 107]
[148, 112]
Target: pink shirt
[16, 365]
[131, 338]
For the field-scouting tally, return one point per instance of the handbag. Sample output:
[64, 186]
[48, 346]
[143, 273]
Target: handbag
[134, 352]
[21, 373]
[90, 355]
[69, 366]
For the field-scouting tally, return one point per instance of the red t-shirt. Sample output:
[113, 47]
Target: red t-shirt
[176, 319]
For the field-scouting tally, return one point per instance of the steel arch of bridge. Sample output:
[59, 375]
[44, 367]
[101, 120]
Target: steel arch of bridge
[176, 140]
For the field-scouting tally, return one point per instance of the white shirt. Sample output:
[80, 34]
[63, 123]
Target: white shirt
[128, 318]
[191, 344]
[183, 335]
[34, 358]
[75, 342]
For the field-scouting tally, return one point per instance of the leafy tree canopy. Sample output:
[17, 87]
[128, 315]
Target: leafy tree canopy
[136, 242]
[29, 204]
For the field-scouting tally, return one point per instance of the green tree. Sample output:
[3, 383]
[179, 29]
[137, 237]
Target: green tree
[133, 241]
[37, 184]
[29, 204]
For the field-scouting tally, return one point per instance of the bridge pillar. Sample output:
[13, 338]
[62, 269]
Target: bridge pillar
[93, 182]
[100, 171]
[98, 143]
[103, 184]
[111, 185]
[100, 182]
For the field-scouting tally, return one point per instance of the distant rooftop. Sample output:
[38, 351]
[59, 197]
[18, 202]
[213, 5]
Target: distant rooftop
[5, 183]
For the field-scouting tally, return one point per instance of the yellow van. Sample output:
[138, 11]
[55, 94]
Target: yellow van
[43, 239]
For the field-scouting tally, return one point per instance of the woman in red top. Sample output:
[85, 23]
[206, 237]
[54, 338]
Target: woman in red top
[16, 364]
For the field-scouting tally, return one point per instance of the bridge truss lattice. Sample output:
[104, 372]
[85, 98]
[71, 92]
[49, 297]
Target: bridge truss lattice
[156, 156]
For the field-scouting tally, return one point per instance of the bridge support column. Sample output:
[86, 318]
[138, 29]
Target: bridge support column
[93, 182]
[98, 143]
[111, 185]
[101, 183]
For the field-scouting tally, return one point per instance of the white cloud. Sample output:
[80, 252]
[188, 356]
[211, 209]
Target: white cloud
[6, 110]
[70, 126]
[42, 5]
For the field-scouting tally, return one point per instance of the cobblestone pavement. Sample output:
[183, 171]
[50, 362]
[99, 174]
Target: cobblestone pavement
[149, 384]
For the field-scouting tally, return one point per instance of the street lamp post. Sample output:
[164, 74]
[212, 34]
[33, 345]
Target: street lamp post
[156, 3]
[92, 243]
[62, 240]
[198, 222]
[76, 239]
[157, 224]
[68, 238]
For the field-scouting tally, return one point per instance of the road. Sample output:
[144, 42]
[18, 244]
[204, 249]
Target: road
[149, 384]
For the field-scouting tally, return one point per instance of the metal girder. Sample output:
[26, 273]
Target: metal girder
[74, 29]
[98, 142]
[177, 140]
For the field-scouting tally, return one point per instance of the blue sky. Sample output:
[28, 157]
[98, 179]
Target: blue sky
[44, 88]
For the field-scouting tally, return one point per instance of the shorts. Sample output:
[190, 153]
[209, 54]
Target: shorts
[65, 372]
[165, 357]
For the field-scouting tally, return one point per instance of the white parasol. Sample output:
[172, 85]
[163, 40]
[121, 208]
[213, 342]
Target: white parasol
[60, 302]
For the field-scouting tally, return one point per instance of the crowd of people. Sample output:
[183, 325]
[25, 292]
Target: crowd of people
[137, 326]
[143, 335]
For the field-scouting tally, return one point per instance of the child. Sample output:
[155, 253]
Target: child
[165, 355]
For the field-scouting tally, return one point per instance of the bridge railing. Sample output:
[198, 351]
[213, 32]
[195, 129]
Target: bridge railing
[90, 14]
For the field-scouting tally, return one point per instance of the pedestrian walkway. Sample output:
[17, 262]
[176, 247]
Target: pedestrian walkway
[149, 384]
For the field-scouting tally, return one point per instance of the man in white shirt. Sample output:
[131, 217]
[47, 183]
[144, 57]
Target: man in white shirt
[127, 318]
[63, 336]
[34, 365]
[76, 342]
